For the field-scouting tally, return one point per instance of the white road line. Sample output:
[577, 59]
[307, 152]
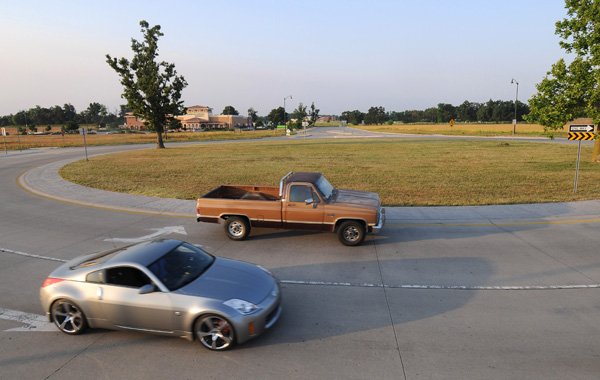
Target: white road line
[6, 250]
[31, 322]
[369, 285]
[440, 287]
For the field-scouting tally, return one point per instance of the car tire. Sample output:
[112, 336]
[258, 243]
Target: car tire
[237, 228]
[214, 332]
[68, 317]
[351, 233]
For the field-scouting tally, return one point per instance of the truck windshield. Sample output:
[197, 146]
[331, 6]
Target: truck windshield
[325, 187]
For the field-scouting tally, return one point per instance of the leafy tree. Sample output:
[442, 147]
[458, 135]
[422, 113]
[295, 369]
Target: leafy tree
[277, 116]
[152, 89]
[253, 115]
[573, 90]
[299, 114]
[376, 115]
[445, 112]
[353, 117]
[48, 128]
[313, 114]
[95, 113]
[229, 110]
[71, 126]
[32, 128]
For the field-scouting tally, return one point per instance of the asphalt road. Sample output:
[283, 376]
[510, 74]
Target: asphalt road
[439, 294]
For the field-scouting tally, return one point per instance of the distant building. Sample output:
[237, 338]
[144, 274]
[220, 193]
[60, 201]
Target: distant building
[200, 118]
[133, 122]
[196, 118]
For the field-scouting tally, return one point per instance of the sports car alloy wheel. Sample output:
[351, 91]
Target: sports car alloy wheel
[68, 317]
[214, 332]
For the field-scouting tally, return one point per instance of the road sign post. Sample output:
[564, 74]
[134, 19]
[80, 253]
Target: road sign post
[4, 138]
[579, 133]
[83, 132]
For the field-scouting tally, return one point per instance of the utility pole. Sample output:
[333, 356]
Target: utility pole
[516, 99]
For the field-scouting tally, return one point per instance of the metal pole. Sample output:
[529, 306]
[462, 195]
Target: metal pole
[85, 144]
[516, 100]
[577, 168]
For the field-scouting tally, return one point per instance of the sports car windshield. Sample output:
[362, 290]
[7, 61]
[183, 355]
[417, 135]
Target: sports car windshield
[181, 266]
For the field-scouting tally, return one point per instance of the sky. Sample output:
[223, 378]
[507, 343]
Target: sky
[341, 55]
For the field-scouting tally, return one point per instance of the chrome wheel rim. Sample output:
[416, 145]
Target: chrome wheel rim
[67, 317]
[236, 228]
[351, 233]
[215, 333]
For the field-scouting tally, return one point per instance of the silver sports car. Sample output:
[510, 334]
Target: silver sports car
[166, 287]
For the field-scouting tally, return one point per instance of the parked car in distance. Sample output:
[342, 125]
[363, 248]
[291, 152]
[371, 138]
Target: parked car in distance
[304, 200]
[166, 287]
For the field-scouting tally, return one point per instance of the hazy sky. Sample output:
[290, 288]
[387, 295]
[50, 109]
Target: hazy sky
[343, 55]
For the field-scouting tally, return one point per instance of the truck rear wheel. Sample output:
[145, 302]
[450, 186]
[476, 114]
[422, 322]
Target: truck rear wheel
[351, 233]
[237, 228]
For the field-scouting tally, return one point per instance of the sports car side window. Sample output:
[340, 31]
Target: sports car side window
[126, 276]
[96, 277]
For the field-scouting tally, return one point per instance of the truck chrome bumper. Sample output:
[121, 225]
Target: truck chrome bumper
[376, 228]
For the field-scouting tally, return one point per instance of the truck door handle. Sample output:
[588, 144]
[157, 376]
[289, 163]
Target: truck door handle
[291, 205]
[100, 293]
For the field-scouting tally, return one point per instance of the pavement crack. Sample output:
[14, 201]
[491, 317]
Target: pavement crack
[387, 302]
[75, 356]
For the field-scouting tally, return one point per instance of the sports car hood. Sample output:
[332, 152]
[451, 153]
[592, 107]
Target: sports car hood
[227, 279]
[363, 198]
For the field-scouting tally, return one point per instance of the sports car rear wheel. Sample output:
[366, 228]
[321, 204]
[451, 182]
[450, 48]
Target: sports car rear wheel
[68, 317]
[214, 332]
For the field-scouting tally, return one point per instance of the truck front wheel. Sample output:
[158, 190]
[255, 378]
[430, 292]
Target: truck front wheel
[237, 228]
[351, 233]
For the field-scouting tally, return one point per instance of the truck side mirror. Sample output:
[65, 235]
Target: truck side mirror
[309, 201]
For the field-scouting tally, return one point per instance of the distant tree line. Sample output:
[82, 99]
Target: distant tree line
[65, 116]
[496, 111]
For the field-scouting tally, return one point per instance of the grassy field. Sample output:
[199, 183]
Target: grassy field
[407, 172]
[15, 142]
[465, 129]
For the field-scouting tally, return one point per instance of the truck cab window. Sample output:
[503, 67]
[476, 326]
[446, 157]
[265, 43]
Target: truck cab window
[300, 193]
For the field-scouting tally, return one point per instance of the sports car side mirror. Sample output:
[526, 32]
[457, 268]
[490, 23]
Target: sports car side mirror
[148, 288]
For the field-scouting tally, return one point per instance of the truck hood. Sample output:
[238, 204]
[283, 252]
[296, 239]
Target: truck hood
[227, 279]
[363, 198]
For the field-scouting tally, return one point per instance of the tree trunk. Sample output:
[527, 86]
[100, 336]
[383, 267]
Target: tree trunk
[596, 151]
[159, 140]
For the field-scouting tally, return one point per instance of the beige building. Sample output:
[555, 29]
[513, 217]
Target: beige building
[200, 118]
[197, 118]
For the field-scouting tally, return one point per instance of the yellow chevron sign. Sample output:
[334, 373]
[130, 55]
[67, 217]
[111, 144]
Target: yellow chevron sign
[581, 135]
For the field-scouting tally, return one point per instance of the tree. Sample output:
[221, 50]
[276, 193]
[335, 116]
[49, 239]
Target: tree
[95, 113]
[229, 110]
[299, 114]
[277, 116]
[571, 91]
[376, 115]
[353, 117]
[253, 115]
[313, 114]
[152, 89]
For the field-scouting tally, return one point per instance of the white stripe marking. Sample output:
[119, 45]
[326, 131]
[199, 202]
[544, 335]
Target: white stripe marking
[6, 250]
[369, 285]
[440, 287]
[32, 322]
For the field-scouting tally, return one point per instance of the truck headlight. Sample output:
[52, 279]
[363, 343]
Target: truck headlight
[243, 307]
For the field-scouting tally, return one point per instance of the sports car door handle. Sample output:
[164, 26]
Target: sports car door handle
[99, 293]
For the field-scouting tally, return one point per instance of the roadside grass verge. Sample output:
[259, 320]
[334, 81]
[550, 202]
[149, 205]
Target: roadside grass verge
[460, 129]
[14, 142]
[404, 173]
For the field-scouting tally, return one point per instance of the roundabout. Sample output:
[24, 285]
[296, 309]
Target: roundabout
[443, 292]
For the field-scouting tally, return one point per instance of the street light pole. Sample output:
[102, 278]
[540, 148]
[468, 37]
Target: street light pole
[284, 99]
[516, 99]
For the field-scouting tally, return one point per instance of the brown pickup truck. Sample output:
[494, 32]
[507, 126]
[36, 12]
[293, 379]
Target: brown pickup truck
[302, 201]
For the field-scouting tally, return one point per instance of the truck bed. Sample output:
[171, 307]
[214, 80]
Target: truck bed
[255, 193]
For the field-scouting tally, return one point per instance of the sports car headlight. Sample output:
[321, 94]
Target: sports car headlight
[244, 307]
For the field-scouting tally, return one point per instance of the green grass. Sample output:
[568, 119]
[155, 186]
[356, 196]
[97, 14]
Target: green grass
[407, 172]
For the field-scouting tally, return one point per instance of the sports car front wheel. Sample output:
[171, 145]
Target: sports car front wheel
[214, 332]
